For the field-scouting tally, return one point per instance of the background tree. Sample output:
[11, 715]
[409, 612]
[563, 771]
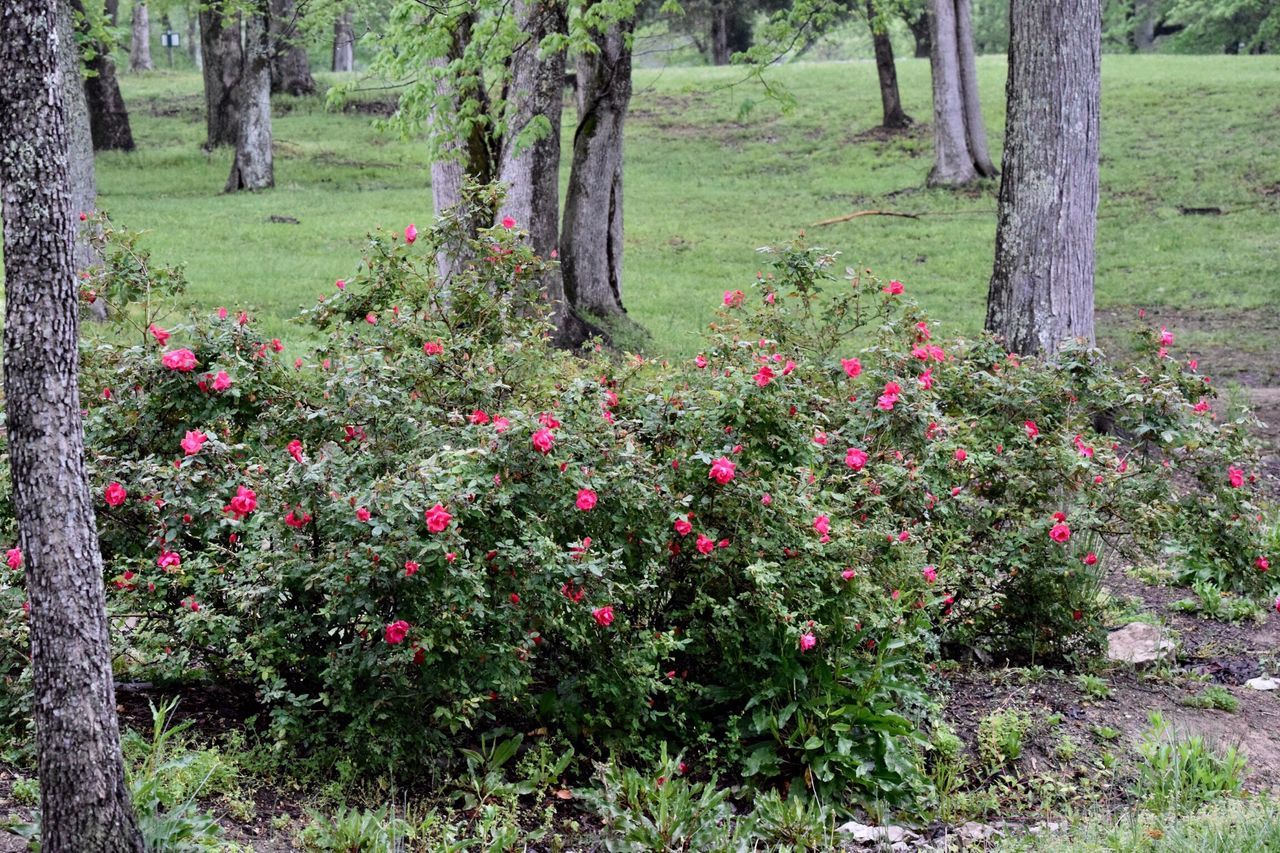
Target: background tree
[915, 14]
[252, 168]
[84, 803]
[82, 179]
[140, 43]
[108, 115]
[894, 117]
[960, 138]
[1042, 285]
[344, 40]
[290, 65]
[223, 63]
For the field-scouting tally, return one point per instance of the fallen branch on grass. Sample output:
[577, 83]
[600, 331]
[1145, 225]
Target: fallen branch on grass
[858, 213]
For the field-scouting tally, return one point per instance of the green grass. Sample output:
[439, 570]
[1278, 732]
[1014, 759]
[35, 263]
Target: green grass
[707, 183]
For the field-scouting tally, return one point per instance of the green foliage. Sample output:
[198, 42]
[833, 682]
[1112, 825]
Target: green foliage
[1181, 774]
[1213, 603]
[1214, 697]
[1001, 736]
[1094, 687]
[353, 830]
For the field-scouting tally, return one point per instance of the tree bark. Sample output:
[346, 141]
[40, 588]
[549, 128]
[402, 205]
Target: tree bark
[960, 148]
[223, 60]
[1042, 285]
[290, 65]
[890, 99]
[918, 24]
[193, 40]
[252, 167]
[108, 115]
[344, 42]
[83, 798]
[140, 44]
[591, 240]
[720, 53]
[83, 184]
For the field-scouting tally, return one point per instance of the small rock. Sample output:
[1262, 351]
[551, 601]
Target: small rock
[1138, 642]
[866, 834]
[974, 831]
[1262, 683]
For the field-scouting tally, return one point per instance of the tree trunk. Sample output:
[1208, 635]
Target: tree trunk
[223, 60]
[919, 26]
[290, 66]
[720, 53]
[1042, 285]
[83, 798]
[960, 154]
[140, 44]
[108, 116]
[193, 40]
[591, 241]
[974, 130]
[252, 168]
[886, 70]
[1144, 25]
[112, 8]
[83, 183]
[344, 42]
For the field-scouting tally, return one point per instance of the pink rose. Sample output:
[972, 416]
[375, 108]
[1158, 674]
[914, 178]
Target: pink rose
[1090, 559]
[822, 525]
[181, 360]
[244, 502]
[683, 527]
[169, 560]
[852, 367]
[410, 568]
[362, 514]
[115, 494]
[1060, 533]
[930, 574]
[733, 298]
[1236, 477]
[294, 449]
[807, 641]
[961, 455]
[603, 615]
[14, 557]
[479, 417]
[222, 381]
[501, 424]
[893, 288]
[1031, 428]
[586, 500]
[433, 347]
[1262, 563]
[508, 223]
[543, 440]
[193, 441]
[438, 518]
[705, 544]
[764, 376]
[161, 336]
[397, 630]
[411, 233]
[722, 470]
[855, 458]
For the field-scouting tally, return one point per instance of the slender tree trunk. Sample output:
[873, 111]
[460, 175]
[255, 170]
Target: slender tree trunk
[223, 61]
[79, 135]
[720, 52]
[193, 39]
[974, 130]
[1042, 286]
[140, 45]
[960, 149]
[886, 70]
[344, 42]
[112, 8]
[591, 239]
[290, 65]
[108, 116]
[83, 799]
[1143, 34]
[919, 26]
[252, 168]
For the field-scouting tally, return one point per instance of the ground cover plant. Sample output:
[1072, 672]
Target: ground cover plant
[437, 530]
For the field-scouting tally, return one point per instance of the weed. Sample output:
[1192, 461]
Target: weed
[1213, 697]
[1178, 774]
[1000, 736]
[1094, 687]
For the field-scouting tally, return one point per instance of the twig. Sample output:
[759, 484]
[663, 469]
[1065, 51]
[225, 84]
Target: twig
[859, 213]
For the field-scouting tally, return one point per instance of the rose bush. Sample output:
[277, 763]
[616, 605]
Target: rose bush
[436, 524]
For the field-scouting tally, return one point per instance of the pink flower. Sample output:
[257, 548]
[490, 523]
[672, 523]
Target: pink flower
[508, 223]
[852, 367]
[244, 502]
[410, 568]
[820, 439]
[362, 514]
[1236, 477]
[766, 499]
[340, 284]
[1262, 563]
[886, 402]
[733, 298]
[294, 449]
[371, 318]
[586, 500]
[14, 557]
[168, 560]
[438, 518]
[683, 527]
[411, 233]
[961, 455]
[764, 376]
[1031, 428]
[848, 574]
[1201, 407]
[705, 544]
[293, 519]
[1082, 448]
[822, 525]
[1060, 532]
[926, 379]
[543, 440]
[722, 470]
[930, 574]
[501, 424]
[222, 381]
[807, 641]
[603, 615]
[115, 494]
[399, 629]
[193, 441]
[181, 360]
[700, 361]
[1166, 337]
[855, 458]
[893, 288]
[433, 347]
[161, 336]
[1090, 559]
[479, 417]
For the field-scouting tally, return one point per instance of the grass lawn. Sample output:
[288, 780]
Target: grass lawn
[708, 182]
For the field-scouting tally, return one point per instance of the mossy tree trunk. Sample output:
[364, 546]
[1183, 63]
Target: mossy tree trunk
[223, 63]
[253, 168]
